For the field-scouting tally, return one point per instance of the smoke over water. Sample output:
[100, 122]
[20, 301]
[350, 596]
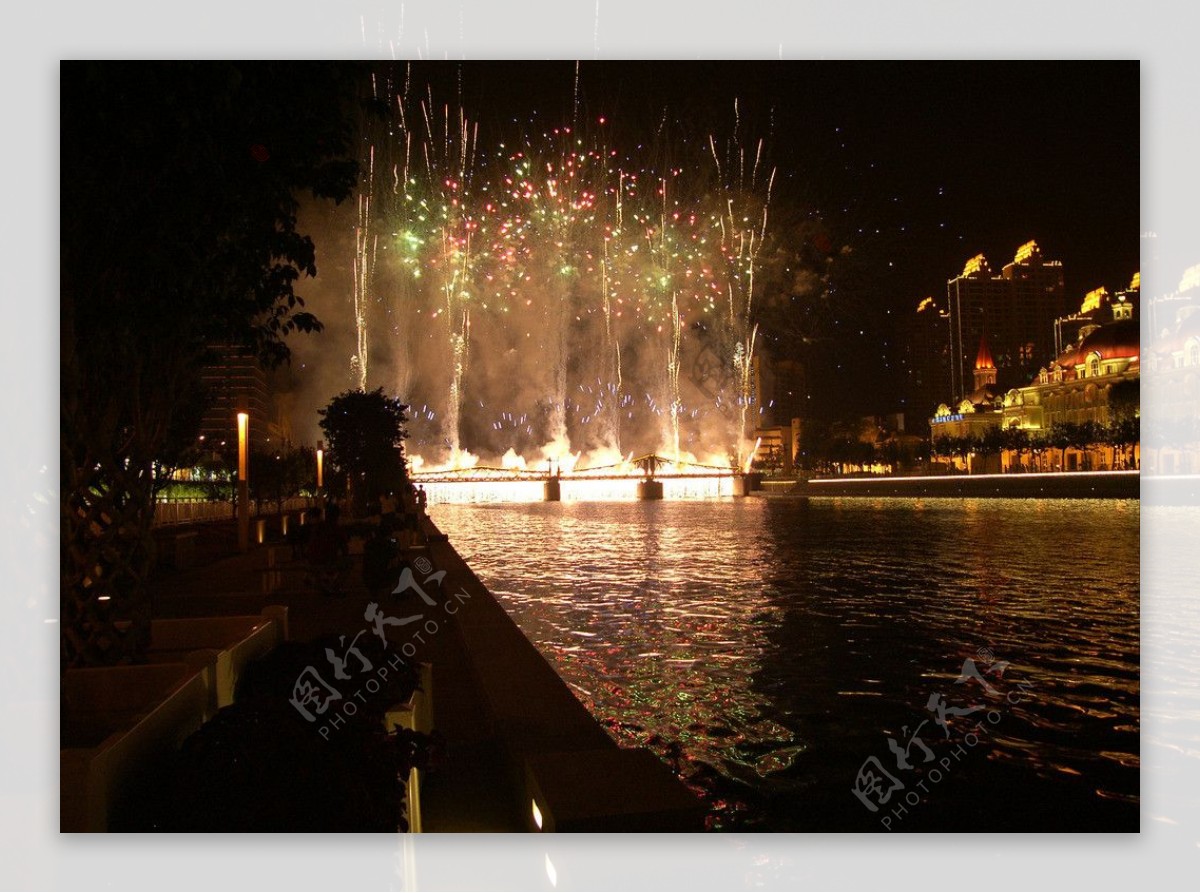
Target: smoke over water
[547, 297]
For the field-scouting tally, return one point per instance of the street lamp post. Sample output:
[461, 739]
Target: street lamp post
[320, 473]
[243, 425]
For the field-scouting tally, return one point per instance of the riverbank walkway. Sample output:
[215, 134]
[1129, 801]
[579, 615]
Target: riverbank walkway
[462, 794]
[509, 724]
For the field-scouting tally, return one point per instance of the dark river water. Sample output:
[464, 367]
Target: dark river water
[768, 649]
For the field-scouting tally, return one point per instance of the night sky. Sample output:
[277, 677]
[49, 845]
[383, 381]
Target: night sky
[915, 166]
[965, 157]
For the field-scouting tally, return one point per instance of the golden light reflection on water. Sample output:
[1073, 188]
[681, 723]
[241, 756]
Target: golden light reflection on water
[765, 643]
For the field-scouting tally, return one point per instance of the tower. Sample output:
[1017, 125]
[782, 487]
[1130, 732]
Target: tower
[985, 367]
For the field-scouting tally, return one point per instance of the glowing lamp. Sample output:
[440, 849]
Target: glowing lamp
[320, 468]
[610, 789]
[243, 425]
[537, 814]
[243, 492]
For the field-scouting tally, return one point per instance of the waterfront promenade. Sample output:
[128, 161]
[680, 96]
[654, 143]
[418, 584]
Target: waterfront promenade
[225, 582]
[509, 724]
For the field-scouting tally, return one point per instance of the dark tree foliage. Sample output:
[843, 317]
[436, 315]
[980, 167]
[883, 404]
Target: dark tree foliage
[992, 441]
[1124, 399]
[1124, 435]
[180, 185]
[1062, 436]
[276, 475]
[365, 433]
[958, 446]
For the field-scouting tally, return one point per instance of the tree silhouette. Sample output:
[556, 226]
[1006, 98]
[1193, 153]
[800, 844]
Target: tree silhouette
[1062, 436]
[1123, 435]
[991, 442]
[1016, 440]
[179, 197]
[365, 432]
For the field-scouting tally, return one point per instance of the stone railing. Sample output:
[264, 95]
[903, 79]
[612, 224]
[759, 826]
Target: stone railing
[199, 511]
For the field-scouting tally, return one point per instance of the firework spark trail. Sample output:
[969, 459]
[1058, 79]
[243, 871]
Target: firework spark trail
[663, 248]
[673, 375]
[613, 345]
[743, 231]
[449, 158]
[610, 234]
[362, 277]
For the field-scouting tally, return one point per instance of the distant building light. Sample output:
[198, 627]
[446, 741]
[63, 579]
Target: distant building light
[975, 265]
[1027, 251]
[1093, 299]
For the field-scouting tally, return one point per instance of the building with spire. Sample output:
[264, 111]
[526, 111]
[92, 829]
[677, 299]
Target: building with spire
[976, 413]
[1076, 387]
[985, 367]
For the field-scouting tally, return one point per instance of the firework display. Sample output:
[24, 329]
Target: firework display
[565, 292]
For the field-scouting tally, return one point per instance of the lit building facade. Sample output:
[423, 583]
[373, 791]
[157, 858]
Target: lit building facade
[1173, 360]
[1075, 388]
[975, 414]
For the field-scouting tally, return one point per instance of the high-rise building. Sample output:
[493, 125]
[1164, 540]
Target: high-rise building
[923, 361]
[1014, 311]
[236, 382]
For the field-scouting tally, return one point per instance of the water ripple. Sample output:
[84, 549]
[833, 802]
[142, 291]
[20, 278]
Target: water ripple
[767, 647]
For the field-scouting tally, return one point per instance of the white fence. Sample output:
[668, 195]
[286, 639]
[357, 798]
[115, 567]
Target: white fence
[198, 511]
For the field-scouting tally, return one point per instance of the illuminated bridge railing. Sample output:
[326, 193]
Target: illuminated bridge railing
[592, 485]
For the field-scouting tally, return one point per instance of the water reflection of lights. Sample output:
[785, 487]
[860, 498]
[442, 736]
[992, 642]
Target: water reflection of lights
[750, 639]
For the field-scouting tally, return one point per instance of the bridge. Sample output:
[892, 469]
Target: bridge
[648, 477]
